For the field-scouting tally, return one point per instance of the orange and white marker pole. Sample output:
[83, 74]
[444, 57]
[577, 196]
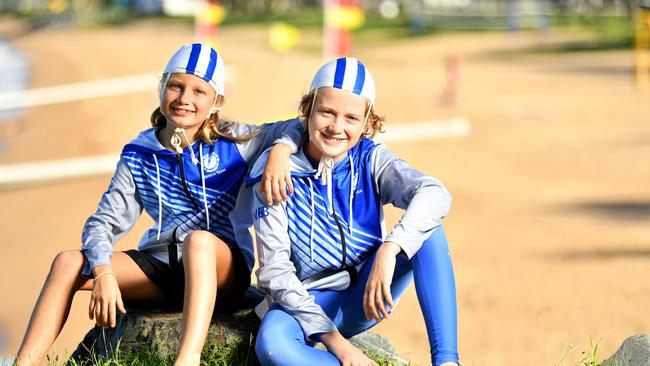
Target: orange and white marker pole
[642, 48]
[341, 18]
[209, 14]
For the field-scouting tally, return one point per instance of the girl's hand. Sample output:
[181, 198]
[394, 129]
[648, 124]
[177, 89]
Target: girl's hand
[348, 354]
[377, 294]
[276, 179]
[105, 298]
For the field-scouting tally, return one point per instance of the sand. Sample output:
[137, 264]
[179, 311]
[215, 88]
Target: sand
[549, 226]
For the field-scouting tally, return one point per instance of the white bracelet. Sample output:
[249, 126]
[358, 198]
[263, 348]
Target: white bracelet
[101, 274]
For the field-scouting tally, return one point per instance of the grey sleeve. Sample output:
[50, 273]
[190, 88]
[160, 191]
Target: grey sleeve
[276, 275]
[116, 214]
[288, 132]
[424, 198]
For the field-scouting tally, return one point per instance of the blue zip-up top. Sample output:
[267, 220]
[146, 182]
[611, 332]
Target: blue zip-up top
[323, 228]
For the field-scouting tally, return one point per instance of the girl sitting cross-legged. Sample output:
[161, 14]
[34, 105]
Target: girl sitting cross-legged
[328, 266]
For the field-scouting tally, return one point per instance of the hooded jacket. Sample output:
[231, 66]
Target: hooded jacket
[324, 229]
[177, 191]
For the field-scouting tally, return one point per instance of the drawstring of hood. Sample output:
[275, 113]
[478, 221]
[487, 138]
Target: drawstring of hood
[353, 185]
[311, 227]
[324, 172]
[155, 159]
[205, 196]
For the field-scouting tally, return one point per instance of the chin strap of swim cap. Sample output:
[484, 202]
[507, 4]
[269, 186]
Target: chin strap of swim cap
[365, 120]
[214, 108]
[176, 143]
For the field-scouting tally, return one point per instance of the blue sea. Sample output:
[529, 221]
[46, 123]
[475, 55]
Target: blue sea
[14, 76]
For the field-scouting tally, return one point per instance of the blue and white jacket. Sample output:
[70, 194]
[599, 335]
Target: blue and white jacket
[150, 177]
[320, 230]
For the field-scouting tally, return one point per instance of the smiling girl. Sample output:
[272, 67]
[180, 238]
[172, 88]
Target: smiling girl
[186, 173]
[326, 262]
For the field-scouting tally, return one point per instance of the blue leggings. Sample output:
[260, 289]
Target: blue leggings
[281, 341]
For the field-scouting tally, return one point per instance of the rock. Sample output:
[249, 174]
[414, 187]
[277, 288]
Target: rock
[161, 330]
[635, 351]
[378, 345]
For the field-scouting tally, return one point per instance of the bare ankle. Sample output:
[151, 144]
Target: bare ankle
[185, 359]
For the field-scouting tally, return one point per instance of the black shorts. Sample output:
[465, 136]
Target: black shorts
[170, 279]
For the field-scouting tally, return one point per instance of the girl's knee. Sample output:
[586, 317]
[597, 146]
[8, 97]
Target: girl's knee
[200, 242]
[263, 348]
[439, 236]
[278, 339]
[268, 347]
[68, 262]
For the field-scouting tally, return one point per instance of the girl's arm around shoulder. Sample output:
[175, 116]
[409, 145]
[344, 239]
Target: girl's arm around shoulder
[116, 214]
[425, 199]
[276, 275]
[289, 133]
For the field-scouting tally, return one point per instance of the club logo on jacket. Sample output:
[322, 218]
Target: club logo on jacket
[210, 162]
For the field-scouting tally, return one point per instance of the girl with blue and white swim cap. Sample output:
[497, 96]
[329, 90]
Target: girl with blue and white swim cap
[186, 173]
[326, 262]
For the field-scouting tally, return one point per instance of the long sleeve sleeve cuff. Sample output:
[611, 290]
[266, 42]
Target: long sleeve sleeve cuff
[288, 142]
[409, 246]
[316, 327]
[95, 257]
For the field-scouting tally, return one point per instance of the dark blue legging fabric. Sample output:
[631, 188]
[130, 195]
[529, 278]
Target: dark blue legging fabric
[280, 340]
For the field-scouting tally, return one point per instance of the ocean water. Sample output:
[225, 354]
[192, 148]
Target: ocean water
[14, 76]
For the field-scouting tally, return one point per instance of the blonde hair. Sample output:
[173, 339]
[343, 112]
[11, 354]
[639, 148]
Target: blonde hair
[211, 129]
[374, 124]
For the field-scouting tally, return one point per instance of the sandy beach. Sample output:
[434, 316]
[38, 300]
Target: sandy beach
[549, 229]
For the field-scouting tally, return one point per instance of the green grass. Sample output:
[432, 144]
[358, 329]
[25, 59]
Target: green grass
[575, 356]
[236, 353]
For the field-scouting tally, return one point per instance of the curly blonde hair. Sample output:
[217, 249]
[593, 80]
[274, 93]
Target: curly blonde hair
[374, 124]
[211, 129]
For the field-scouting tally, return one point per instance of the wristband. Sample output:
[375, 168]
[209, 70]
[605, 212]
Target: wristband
[101, 274]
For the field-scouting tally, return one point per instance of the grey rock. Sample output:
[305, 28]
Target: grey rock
[162, 331]
[635, 351]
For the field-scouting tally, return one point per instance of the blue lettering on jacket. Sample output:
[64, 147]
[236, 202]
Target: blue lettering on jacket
[261, 212]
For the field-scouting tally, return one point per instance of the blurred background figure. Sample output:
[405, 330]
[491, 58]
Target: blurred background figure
[453, 75]
[642, 21]
[13, 78]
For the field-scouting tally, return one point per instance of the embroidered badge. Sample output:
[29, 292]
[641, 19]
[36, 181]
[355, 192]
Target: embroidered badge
[211, 162]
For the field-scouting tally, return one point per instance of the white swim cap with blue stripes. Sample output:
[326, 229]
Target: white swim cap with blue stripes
[346, 73]
[201, 60]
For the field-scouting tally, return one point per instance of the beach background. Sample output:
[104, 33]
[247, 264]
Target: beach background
[549, 228]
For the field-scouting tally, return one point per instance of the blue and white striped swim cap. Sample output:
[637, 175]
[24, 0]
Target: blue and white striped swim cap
[201, 60]
[346, 73]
